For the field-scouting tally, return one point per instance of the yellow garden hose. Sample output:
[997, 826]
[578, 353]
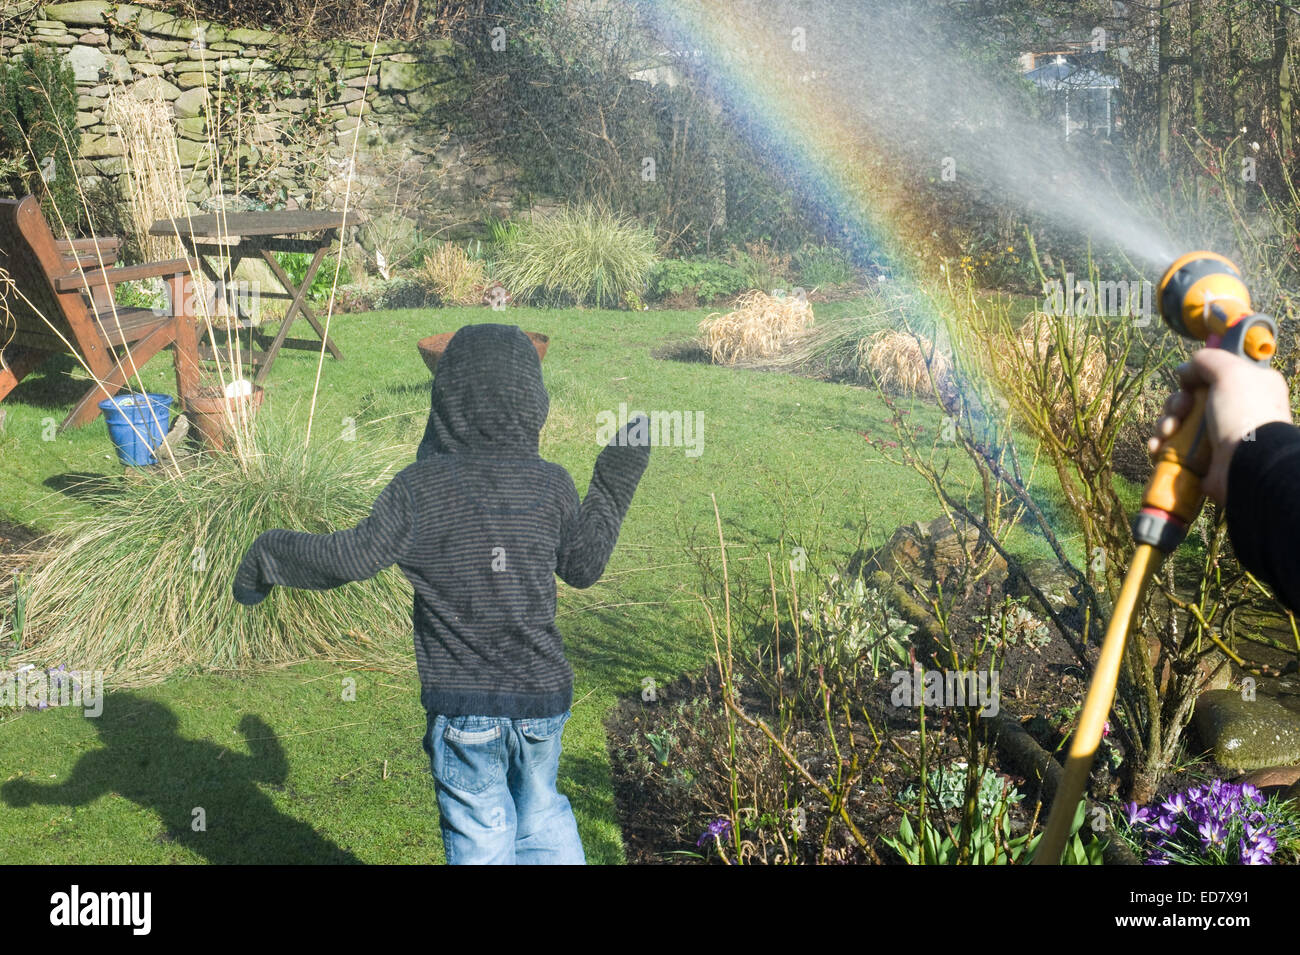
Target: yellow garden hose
[1096, 705]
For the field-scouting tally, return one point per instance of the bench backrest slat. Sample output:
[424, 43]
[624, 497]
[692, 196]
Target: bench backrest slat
[31, 309]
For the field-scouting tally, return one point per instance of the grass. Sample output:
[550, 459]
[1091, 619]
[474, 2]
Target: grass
[155, 184]
[783, 455]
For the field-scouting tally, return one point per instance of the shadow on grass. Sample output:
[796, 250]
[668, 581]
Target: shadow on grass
[85, 486]
[145, 760]
[423, 388]
[51, 385]
[689, 351]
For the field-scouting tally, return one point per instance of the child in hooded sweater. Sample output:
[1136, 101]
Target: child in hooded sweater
[481, 525]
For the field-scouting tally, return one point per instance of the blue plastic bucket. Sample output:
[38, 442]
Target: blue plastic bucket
[137, 424]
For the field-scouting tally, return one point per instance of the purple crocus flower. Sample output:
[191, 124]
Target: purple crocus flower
[1211, 832]
[1206, 820]
[1166, 824]
[1254, 854]
[1175, 804]
[717, 829]
[1136, 813]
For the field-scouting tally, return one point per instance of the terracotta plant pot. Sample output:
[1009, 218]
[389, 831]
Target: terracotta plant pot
[431, 348]
[211, 421]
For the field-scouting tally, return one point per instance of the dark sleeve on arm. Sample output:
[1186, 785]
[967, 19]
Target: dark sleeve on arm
[589, 538]
[287, 558]
[1264, 508]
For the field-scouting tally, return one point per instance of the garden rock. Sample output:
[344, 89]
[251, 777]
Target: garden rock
[86, 13]
[153, 87]
[1247, 734]
[93, 147]
[1274, 777]
[403, 76]
[1211, 668]
[1055, 583]
[933, 551]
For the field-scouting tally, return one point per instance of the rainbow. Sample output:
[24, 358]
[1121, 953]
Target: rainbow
[822, 144]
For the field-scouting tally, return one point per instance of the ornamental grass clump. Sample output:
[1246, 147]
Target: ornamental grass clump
[581, 255]
[454, 276]
[1216, 823]
[905, 364]
[141, 589]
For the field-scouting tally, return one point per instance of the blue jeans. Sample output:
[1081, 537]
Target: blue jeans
[495, 779]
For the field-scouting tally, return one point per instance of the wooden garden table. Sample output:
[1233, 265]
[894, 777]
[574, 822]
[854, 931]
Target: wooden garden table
[247, 235]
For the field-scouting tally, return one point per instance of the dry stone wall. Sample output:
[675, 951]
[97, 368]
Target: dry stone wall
[276, 119]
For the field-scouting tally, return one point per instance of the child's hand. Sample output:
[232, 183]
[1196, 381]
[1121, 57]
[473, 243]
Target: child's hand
[632, 434]
[625, 458]
[247, 589]
[249, 598]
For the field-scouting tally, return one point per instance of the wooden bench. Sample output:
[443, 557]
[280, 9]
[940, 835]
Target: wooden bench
[57, 297]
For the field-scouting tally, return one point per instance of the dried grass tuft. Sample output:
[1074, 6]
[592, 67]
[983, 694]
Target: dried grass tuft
[760, 326]
[454, 276]
[903, 363]
[155, 188]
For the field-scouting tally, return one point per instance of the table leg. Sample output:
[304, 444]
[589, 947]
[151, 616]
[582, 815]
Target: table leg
[299, 303]
[299, 294]
[228, 293]
[303, 306]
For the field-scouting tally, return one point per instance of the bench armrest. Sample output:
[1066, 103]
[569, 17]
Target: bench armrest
[96, 278]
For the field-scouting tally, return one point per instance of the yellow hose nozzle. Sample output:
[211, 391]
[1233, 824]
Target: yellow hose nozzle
[1260, 343]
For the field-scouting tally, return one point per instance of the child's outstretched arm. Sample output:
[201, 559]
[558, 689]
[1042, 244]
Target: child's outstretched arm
[589, 538]
[321, 561]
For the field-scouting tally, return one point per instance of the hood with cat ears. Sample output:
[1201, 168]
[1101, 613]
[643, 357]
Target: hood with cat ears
[488, 394]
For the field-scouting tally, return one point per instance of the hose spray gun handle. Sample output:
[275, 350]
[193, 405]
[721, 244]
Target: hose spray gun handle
[1173, 497]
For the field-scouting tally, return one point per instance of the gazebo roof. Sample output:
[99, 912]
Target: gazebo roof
[1061, 74]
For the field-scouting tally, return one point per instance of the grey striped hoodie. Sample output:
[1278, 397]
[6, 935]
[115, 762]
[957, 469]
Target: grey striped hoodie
[480, 525]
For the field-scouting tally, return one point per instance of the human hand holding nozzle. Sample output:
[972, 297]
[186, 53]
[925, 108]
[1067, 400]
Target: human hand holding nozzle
[1242, 396]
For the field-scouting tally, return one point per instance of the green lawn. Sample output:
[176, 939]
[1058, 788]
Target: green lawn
[783, 455]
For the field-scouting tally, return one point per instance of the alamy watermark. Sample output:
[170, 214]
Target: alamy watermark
[128, 909]
[662, 429]
[28, 686]
[945, 688]
[1132, 299]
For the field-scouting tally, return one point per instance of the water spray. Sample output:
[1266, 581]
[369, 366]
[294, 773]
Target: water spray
[1201, 296]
